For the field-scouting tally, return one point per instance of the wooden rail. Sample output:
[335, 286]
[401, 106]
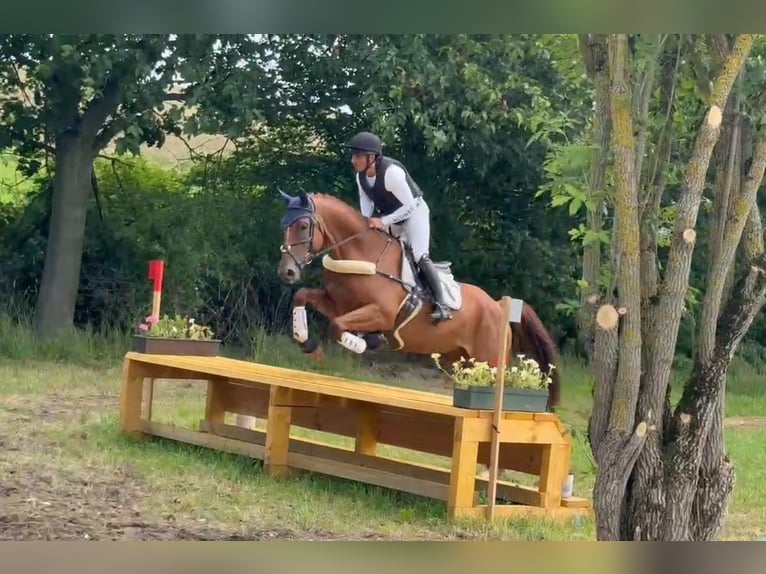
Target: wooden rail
[371, 414]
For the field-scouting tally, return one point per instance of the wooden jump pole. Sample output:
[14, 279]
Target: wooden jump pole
[511, 312]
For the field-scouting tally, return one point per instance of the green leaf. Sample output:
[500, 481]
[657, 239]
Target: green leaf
[575, 206]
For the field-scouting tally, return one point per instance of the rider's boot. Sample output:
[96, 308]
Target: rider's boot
[441, 311]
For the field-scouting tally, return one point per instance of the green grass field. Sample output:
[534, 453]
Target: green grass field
[67, 473]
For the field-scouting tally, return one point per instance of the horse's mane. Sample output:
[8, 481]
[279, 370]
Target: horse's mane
[333, 201]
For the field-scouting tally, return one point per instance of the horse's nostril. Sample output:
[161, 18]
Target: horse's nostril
[290, 272]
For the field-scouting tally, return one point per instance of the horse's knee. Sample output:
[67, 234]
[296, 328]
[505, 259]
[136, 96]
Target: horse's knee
[301, 297]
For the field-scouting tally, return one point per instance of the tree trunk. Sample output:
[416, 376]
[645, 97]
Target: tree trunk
[66, 235]
[593, 48]
[664, 475]
[617, 446]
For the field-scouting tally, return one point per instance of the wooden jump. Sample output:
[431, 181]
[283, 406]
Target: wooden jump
[371, 414]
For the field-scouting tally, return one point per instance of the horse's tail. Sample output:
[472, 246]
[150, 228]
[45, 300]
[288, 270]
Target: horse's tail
[540, 343]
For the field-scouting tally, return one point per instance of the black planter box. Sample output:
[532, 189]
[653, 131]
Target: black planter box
[162, 346]
[483, 398]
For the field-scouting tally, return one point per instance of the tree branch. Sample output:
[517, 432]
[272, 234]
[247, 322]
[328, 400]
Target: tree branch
[107, 133]
[620, 451]
[698, 67]
[675, 285]
[722, 260]
[604, 366]
[594, 52]
[748, 297]
[642, 115]
[100, 108]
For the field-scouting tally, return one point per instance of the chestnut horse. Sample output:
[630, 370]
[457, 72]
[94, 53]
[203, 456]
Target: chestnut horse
[366, 298]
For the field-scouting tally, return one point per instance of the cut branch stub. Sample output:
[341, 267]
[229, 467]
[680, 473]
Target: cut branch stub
[607, 317]
[689, 236]
[714, 117]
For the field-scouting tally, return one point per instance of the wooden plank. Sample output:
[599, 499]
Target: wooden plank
[514, 431]
[399, 428]
[576, 502]
[206, 440]
[418, 471]
[396, 427]
[422, 480]
[298, 380]
[519, 511]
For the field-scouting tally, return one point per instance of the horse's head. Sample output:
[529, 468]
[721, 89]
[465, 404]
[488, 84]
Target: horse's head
[303, 237]
[315, 224]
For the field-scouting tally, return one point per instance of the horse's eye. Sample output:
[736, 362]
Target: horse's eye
[304, 226]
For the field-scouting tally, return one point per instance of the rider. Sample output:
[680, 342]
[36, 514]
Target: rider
[387, 189]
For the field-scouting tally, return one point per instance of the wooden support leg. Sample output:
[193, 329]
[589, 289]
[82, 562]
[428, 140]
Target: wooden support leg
[553, 472]
[148, 400]
[131, 398]
[462, 484]
[214, 409]
[366, 429]
[278, 432]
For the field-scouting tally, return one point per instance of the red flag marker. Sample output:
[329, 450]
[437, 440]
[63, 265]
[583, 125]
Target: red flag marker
[156, 274]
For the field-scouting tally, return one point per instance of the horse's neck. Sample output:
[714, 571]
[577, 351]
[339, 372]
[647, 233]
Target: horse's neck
[367, 246]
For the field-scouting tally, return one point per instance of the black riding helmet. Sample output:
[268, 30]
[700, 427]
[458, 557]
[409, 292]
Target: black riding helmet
[366, 142]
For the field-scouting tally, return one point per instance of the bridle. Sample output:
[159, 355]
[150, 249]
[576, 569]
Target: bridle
[310, 255]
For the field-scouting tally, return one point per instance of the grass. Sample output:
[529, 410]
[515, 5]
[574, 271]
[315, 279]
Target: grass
[59, 407]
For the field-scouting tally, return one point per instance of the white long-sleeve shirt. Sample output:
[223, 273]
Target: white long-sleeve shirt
[396, 183]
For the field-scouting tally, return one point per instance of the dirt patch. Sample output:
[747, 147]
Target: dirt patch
[45, 495]
[753, 423]
[50, 490]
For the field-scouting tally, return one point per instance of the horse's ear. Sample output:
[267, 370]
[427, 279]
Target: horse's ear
[304, 199]
[286, 197]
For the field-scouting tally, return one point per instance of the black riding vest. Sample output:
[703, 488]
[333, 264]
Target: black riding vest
[385, 201]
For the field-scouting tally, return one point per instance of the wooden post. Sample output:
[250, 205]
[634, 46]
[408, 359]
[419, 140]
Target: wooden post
[156, 275]
[511, 312]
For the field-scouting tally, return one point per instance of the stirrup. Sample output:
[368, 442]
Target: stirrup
[440, 313]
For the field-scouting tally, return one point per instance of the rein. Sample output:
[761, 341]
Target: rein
[311, 255]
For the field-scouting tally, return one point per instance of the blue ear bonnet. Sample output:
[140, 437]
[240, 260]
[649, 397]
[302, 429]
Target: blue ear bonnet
[297, 207]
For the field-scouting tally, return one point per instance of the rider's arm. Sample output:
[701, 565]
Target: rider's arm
[366, 206]
[396, 183]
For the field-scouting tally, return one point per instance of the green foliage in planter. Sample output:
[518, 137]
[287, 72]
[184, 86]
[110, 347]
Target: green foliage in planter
[471, 373]
[175, 328]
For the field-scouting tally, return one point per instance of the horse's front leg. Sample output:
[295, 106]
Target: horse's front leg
[366, 319]
[318, 300]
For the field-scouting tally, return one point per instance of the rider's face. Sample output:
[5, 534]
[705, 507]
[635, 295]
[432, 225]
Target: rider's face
[359, 161]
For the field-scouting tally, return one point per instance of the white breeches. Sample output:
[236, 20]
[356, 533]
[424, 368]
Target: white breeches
[416, 230]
